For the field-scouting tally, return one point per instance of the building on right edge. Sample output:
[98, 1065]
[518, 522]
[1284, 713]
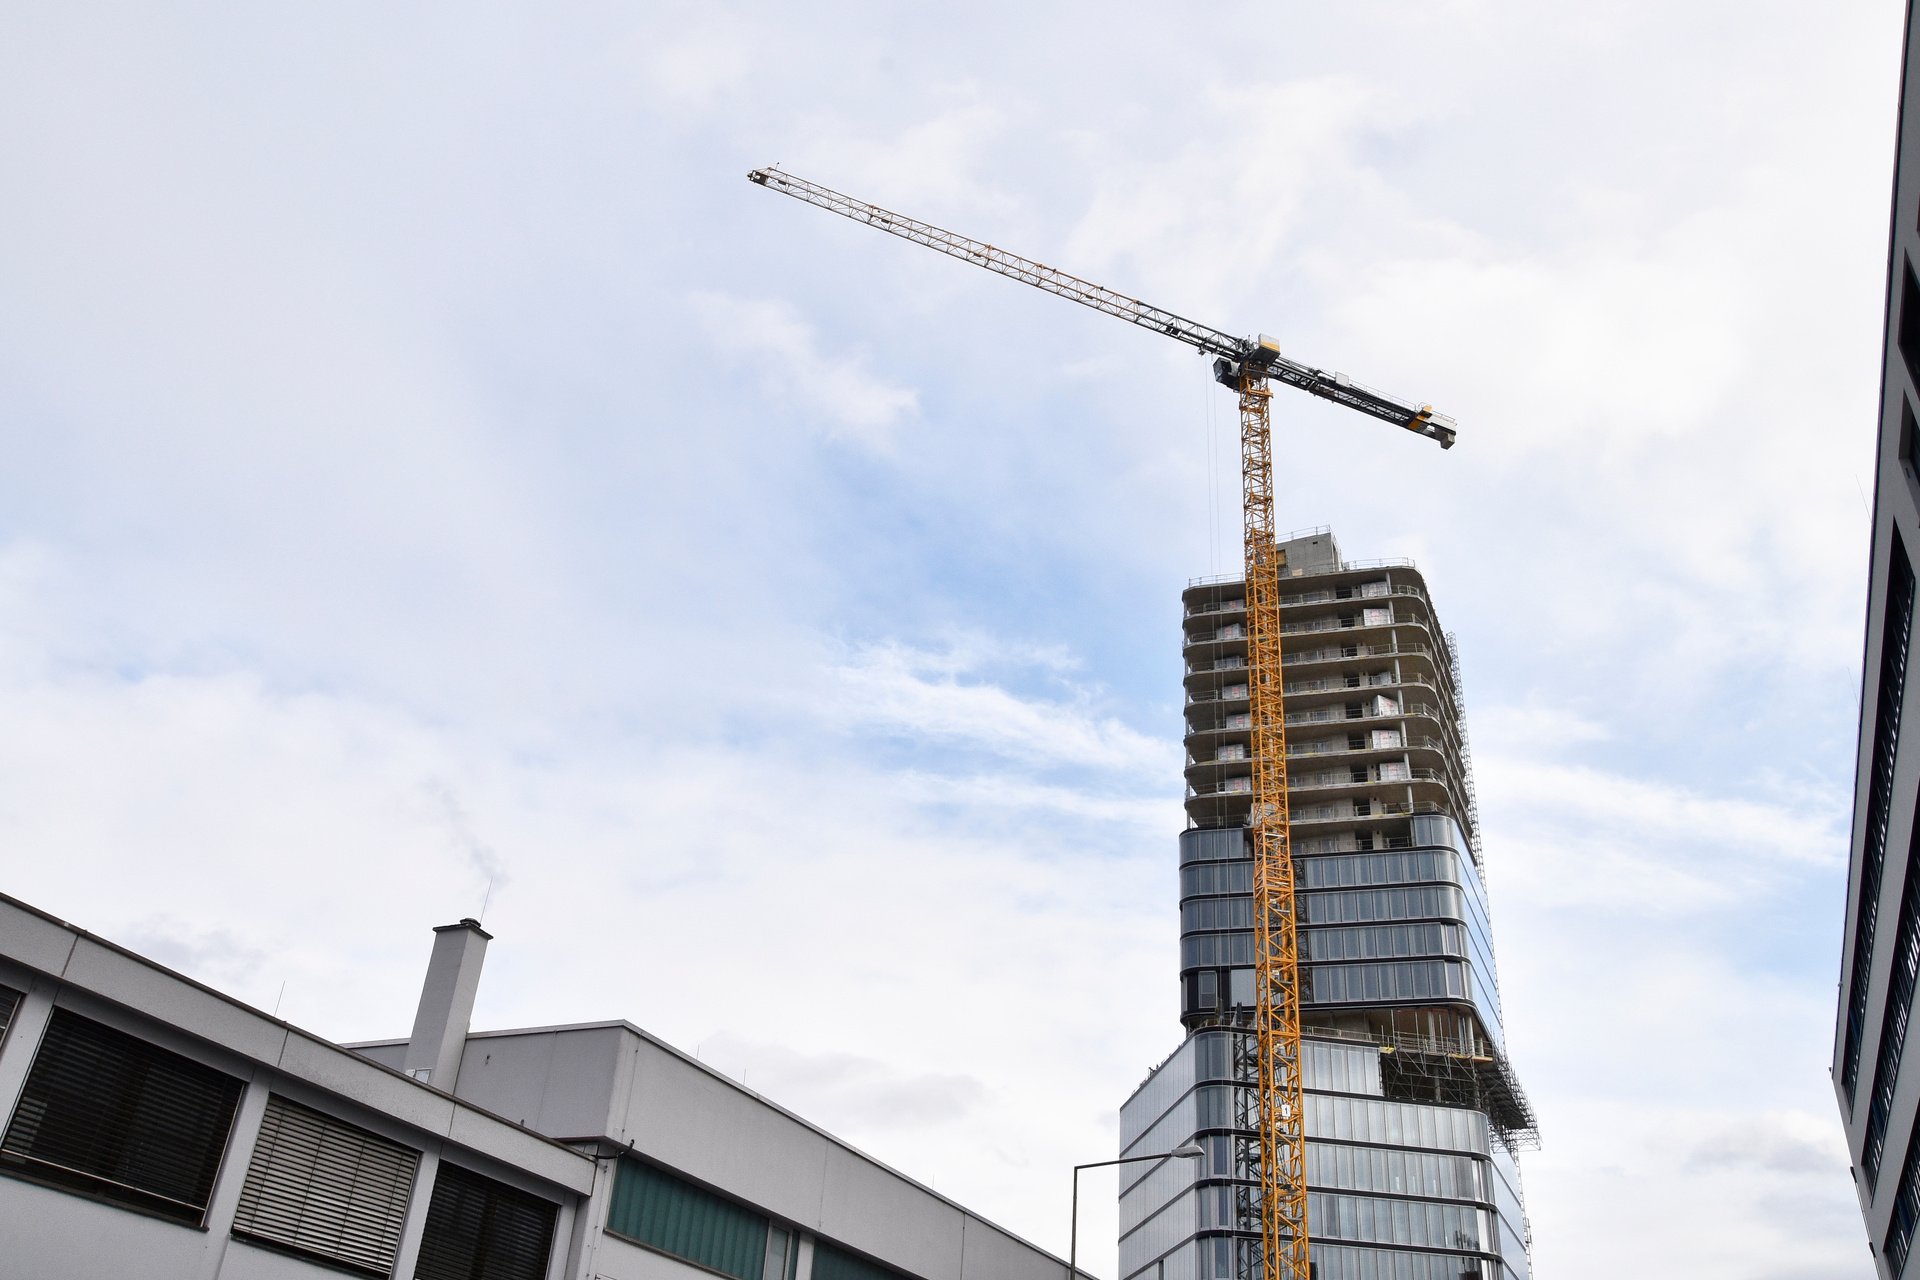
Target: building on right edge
[1413, 1114]
[1880, 956]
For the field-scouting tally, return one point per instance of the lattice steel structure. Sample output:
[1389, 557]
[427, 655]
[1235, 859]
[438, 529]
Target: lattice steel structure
[1247, 365]
[1276, 1018]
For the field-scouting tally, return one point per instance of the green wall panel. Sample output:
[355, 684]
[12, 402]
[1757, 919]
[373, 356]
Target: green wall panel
[830, 1263]
[655, 1208]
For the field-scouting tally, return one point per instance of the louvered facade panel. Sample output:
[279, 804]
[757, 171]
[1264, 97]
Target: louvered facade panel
[479, 1229]
[111, 1114]
[321, 1186]
[657, 1209]
[830, 1263]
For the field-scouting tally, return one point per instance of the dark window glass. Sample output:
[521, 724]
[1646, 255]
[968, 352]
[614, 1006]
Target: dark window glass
[1909, 338]
[1200, 846]
[1216, 877]
[1406, 980]
[1367, 905]
[1216, 913]
[479, 1229]
[1894, 1018]
[325, 1188]
[1208, 950]
[1209, 989]
[110, 1114]
[1896, 632]
[655, 1208]
[1906, 1209]
[9, 1003]
[1909, 436]
[830, 1263]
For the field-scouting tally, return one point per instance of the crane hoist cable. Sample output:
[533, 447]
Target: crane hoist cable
[1248, 366]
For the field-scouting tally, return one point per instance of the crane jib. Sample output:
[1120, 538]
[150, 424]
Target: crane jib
[1262, 355]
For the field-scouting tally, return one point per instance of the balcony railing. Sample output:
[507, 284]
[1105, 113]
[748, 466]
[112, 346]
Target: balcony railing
[1347, 651]
[1338, 747]
[1232, 693]
[1217, 606]
[1345, 566]
[1341, 715]
[1374, 778]
[1338, 594]
[1379, 809]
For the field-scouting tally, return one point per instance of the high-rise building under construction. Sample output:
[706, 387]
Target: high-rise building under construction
[1413, 1114]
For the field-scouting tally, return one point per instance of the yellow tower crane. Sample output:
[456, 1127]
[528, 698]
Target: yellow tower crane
[1247, 365]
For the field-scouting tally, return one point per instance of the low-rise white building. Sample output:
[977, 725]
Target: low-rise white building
[157, 1128]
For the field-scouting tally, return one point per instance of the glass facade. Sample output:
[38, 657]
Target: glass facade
[1411, 1111]
[1383, 1173]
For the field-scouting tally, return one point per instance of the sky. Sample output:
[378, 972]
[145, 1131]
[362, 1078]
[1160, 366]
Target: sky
[434, 481]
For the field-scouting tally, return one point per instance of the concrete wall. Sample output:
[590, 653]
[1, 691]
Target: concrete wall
[614, 1081]
[615, 1259]
[693, 1120]
[51, 1234]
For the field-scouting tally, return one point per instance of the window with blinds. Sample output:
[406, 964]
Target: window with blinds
[322, 1187]
[656, 1209]
[9, 1002]
[109, 1114]
[830, 1263]
[479, 1229]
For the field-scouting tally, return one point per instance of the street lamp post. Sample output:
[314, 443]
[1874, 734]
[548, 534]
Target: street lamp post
[1185, 1151]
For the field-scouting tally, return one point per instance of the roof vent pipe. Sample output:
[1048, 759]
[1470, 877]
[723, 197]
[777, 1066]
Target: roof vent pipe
[446, 1004]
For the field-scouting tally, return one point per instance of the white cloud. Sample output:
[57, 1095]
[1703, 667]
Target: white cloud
[372, 529]
[928, 695]
[770, 340]
[1790, 1142]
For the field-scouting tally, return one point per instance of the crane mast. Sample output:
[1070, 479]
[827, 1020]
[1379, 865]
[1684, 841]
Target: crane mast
[1248, 366]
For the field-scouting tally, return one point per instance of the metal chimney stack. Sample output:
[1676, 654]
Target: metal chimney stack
[446, 1004]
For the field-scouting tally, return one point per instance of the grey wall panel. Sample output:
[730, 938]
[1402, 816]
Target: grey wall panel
[877, 1212]
[618, 1260]
[35, 941]
[54, 1235]
[137, 984]
[511, 1075]
[988, 1253]
[560, 1083]
[556, 1164]
[387, 1054]
[246, 1261]
[339, 1071]
[702, 1125]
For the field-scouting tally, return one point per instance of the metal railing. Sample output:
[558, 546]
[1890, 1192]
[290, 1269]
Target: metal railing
[1337, 747]
[1338, 594]
[1346, 652]
[1344, 566]
[1324, 781]
[1219, 695]
[1217, 606]
[1377, 809]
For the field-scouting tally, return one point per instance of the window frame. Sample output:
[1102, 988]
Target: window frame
[66, 1033]
[450, 1174]
[283, 1117]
